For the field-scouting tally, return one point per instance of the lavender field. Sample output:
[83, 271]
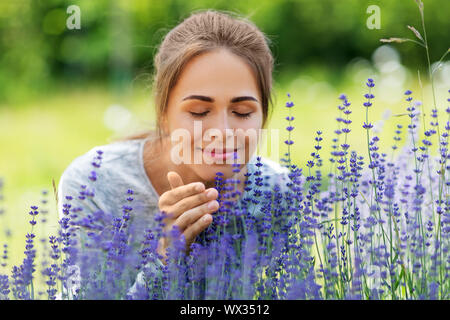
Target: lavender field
[364, 215]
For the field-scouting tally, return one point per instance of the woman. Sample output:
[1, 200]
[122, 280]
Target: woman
[211, 68]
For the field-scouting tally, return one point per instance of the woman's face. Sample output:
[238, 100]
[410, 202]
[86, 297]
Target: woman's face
[217, 93]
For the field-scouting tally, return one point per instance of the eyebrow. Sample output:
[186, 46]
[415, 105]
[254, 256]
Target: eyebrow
[209, 99]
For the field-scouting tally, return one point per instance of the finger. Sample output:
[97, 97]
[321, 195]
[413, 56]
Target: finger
[191, 216]
[193, 201]
[194, 229]
[174, 179]
[173, 196]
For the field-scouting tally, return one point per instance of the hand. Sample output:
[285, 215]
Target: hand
[188, 207]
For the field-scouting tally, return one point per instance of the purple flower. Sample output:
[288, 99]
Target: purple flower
[367, 126]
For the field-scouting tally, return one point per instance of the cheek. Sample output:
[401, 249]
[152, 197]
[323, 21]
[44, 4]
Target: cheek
[253, 125]
[179, 120]
[254, 122]
[183, 123]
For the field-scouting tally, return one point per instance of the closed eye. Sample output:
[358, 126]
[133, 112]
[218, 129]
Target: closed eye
[242, 115]
[202, 114]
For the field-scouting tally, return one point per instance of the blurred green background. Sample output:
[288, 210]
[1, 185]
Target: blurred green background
[62, 91]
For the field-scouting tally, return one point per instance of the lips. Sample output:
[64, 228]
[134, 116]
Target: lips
[223, 151]
[220, 153]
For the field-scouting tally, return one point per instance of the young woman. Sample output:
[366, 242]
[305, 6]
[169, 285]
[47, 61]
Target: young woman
[212, 68]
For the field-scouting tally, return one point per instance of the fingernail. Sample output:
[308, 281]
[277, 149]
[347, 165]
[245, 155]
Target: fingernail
[210, 193]
[198, 187]
[212, 205]
[205, 217]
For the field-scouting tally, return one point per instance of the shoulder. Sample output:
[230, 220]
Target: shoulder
[115, 154]
[120, 170]
[267, 166]
[269, 182]
[271, 171]
[117, 158]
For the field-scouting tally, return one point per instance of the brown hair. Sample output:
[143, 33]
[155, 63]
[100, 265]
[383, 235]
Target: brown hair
[203, 31]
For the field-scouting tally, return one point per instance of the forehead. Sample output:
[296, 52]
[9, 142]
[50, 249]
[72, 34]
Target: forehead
[219, 74]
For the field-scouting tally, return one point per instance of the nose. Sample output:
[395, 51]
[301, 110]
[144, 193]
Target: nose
[221, 123]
